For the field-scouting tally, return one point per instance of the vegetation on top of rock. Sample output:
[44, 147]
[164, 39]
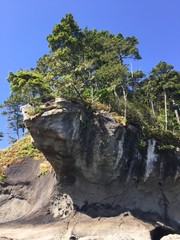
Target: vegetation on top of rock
[44, 168]
[93, 66]
[17, 152]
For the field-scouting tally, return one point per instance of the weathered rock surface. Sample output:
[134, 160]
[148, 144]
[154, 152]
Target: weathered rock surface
[49, 215]
[24, 195]
[82, 227]
[171, 237]
[107, 168]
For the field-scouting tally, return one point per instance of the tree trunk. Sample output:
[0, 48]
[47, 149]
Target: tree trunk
[165, 109]
[23, 130]
[117, 98]
[152, 106]
[125, 103]
[17, 131]
[78, 93]
[176, 112]
[92, 94]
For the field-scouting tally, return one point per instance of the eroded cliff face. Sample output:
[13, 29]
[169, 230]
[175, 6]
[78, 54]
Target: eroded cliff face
[104, 167]
[25, 196]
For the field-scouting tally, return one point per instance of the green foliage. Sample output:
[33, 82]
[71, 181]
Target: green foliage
[20, 149]
[17, 152]
[162, 93]
[93, 66]
[27, 150]
[142, 144]
[44, 168]
[165, 136]
[85, 64]
[105, 95]
[28, 87]
[65, 34]
[35, 110]
[2, 176]
[161, 148]
[139, 114]
[119, 119]
[12, 111]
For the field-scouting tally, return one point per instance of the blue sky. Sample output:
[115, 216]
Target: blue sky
[24, 25]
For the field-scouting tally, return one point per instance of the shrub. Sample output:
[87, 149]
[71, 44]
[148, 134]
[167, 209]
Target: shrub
[44, 168]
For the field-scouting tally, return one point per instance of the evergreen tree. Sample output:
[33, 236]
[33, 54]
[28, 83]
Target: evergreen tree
[92, 65]
[161, 89]
[11, 108]
[28, 87]
[83, 63]
[1, 136]
[134, 79]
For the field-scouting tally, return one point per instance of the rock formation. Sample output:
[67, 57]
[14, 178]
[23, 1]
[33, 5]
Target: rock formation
[171, 237]
[105, 167]
[24, 195]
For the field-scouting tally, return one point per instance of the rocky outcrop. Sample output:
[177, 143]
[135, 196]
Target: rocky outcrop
[24, 195]
[31, 208]
[82, 227]
[104, 167]
[171, 237]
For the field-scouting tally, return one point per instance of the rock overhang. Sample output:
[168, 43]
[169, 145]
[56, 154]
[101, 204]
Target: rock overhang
[100, 159]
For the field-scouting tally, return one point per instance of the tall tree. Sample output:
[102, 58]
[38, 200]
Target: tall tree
[65, 34]
[86, 59]
[161, 87]
[1, 136]
[134, 79]
[147, 93]
[11, 108]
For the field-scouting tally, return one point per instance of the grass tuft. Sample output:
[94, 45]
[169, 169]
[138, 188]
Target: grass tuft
[17, 152]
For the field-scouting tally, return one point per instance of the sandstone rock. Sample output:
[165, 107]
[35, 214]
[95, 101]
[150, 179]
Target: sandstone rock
[26, 111]
[62, 206]
[24, 195]
[5, 238]
[91, 238]
[106, 238]
[80, 226]
[171, 237]
[102, 166]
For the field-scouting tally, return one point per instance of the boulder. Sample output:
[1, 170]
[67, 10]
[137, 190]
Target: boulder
[171, 237]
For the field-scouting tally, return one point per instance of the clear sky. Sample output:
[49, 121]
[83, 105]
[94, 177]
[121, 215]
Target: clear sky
[24, 25]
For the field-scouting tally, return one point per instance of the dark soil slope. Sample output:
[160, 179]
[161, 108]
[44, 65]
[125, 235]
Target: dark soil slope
[25, 194]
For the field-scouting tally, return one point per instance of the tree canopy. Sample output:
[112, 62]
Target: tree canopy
[92, 66]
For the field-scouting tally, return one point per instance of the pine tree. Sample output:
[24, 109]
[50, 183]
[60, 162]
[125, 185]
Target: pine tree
[11, 108]
[1, 136]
